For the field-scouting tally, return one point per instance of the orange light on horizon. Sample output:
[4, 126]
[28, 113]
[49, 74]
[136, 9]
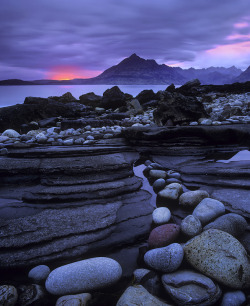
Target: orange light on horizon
[62, 73]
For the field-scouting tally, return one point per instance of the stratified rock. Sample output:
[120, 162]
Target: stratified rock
[39, 274]
[220, 256]
[137, 295]
[233, 224]
[74, 300]
[208, 209]
[167, 259]
[192, 198]
[90, 99]
[161, 215]
[187, 287]
[8, 295]
[191, 226]
[233, 298]
[84, 276]
[163, 235]
[113, 98]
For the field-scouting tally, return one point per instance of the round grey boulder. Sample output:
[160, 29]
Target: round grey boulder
[233, 224]
[39, 274]
[187, 287]
[208, 209]
[191, 226]
[192, 198]
[74, 300]
[11, 133]
[161, 215]
[156, 174]
[84, 276]
[159, 184]
[167, 259]
[233, 298]
[220, 256]
[171, 192]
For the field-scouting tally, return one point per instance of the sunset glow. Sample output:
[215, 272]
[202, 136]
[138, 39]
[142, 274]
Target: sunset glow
[234, 50]
[69, 73]
[241, 25]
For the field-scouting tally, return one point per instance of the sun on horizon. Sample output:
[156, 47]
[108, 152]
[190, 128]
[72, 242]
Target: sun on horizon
[63, 73]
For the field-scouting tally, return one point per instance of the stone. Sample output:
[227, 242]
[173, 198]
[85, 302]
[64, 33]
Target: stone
[135, 106]
[11, 133]
[90, 99]
[233, 224]
[163, 235]
[137, 295]
[187, 287]
[146, 96]
[113, 98]
[192, 198]
[173, 174]
[83, 276]
[208, 209]
[149, 279]
[167, 259]
[74, 300]
[220, 256]
[39, 273]
[161, 215]
[4, 138]
[159, 184]
[31, 295]
[68, 142]
[206, 122]
[191, 226]
[41, 138]
[171, 192]
[156, 174]
[8, 295]
[233, 298]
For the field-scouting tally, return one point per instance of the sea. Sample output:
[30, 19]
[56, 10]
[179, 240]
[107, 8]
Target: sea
[11, 95]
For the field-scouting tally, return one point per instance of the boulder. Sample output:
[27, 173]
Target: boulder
[8, 295]
[146, 96]
[233, 298]
[74, 300]
[135, 107]
[208, 209]
[192, 198]
[159, 184]
[191, 226]
[113, 98]
[167, 259]
[39, 274]
[171, 192]
[161, 215]
[187, 287]
[83, 276]
[156, 174]
[137, 295]
[10, 133]
[90, 99]
[231, 223]
[220, 256]
[163, 235]
[180, 109]
[31, 295]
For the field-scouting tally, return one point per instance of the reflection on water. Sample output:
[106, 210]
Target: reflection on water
[240, 156]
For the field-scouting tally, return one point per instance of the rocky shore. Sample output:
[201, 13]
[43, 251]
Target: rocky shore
[118, 200]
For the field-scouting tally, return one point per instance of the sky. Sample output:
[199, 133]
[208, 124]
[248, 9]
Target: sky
[65, 39]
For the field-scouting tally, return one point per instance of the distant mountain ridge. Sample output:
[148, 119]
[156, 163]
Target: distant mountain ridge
[135, 70]
[244, 76]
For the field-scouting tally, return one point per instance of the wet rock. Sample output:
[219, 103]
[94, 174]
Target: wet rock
[113, 98]
[84, 276]
[192, 198]
[163, 235]
[39, 274]
[208, 209]
[220, 256]
[161, 215]
[8, 295]
[10, 133]
[137, 295]
[232, 223]
[74, 300]
[31, 295]
[187, 287]
[159, 184]
[167, 259]
[156, 174]
[171, 192]
[191, 226]
[233, 298]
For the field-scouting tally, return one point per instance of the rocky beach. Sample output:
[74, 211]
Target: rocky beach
[122, 200]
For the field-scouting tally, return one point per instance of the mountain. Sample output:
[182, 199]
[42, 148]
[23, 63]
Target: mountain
[135, 70]
[244, 76]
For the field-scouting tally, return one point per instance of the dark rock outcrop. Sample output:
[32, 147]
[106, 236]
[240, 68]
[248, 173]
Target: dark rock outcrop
[90, 99]
[113, 98]
[146, 96]
[179, 109]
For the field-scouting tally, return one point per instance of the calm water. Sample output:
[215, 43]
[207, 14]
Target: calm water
[11, 95]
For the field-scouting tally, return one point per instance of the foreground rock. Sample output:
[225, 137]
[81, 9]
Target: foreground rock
[83, 276]
[187, 287]
[74, 300]
[137, 295]
[220, 256]
[8, 295]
